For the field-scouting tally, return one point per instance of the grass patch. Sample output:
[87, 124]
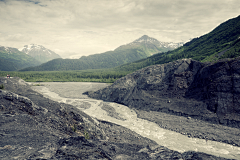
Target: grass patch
[74, 128]
[86, 135]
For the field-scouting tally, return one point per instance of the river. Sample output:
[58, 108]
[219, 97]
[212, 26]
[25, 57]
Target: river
[71, 93]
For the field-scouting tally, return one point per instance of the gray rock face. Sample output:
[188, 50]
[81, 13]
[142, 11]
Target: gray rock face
[184, 87]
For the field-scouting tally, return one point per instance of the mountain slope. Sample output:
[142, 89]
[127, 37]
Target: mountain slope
[139, 49]
[12, 59]
[105, 60]
[39, 52]
[151, 45]
[222, 42]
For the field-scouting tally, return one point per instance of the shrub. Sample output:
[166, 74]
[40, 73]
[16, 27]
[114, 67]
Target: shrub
[74, 128]
[86, 135]
[1, 86]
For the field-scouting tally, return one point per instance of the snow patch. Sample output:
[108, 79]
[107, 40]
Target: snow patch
[21, 49]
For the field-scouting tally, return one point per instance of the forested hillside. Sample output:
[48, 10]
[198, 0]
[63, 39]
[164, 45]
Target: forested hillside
[151, 45]
[141, 48]
[12, 59]
[105, 60]
[222, 42]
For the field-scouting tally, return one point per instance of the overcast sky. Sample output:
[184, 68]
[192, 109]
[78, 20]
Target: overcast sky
[73, 28]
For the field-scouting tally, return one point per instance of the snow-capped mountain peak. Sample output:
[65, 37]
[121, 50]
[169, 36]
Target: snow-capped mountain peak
[152, 43]
[33, 47]
[8, 50]
[145, 39]
[39, 52]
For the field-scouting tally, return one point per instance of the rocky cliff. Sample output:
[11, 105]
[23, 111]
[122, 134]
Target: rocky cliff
[206, 91]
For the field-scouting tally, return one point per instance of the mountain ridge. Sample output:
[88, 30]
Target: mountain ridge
[12, 59]
[39, 52]
[121, 55]
[206, 48]
[155, 45]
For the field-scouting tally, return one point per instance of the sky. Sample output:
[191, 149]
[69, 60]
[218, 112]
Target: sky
[75, 28]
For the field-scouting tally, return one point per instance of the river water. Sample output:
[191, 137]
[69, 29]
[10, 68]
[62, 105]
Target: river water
[71, 93]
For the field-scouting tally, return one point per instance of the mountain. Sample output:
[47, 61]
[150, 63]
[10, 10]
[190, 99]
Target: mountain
[151, 45]
[105, 60]
[12, 59]
[222, 42]
[39, 52]
[139, 49]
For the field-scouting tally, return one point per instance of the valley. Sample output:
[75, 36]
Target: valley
[129, 118]
[143, 100]
[36, 127]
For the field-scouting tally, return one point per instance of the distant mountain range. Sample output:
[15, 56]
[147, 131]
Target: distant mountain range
[222, 42]
[141, 48]
[39, 52]
[12, 59]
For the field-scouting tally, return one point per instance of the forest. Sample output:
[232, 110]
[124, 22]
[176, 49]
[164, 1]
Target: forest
[97, 75]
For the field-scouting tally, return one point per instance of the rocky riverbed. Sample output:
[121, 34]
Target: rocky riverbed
[123, 116]
[203, 91]
[36, 127]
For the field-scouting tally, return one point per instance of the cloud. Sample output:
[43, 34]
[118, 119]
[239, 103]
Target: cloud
[89, 26]
[17, 37]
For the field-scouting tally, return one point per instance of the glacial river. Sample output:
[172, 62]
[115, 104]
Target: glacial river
[71, 93]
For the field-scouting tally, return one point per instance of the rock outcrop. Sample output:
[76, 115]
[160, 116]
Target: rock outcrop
[206, 91]
[32, 126]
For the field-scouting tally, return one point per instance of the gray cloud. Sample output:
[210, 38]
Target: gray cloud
[87, 26]
[17, 37]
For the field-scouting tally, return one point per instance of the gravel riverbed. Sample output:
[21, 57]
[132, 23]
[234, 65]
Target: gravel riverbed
[187, 126]
[51, 121]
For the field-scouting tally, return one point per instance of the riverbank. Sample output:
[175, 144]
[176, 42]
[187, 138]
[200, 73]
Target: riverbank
[187, 126]
[36, 127]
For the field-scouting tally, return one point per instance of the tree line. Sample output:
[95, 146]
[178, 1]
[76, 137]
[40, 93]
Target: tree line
[105, 76]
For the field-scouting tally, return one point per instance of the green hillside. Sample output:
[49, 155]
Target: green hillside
[222, 42]
[149, 45]
[12, 59]
[105, 60]
[141, 48]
